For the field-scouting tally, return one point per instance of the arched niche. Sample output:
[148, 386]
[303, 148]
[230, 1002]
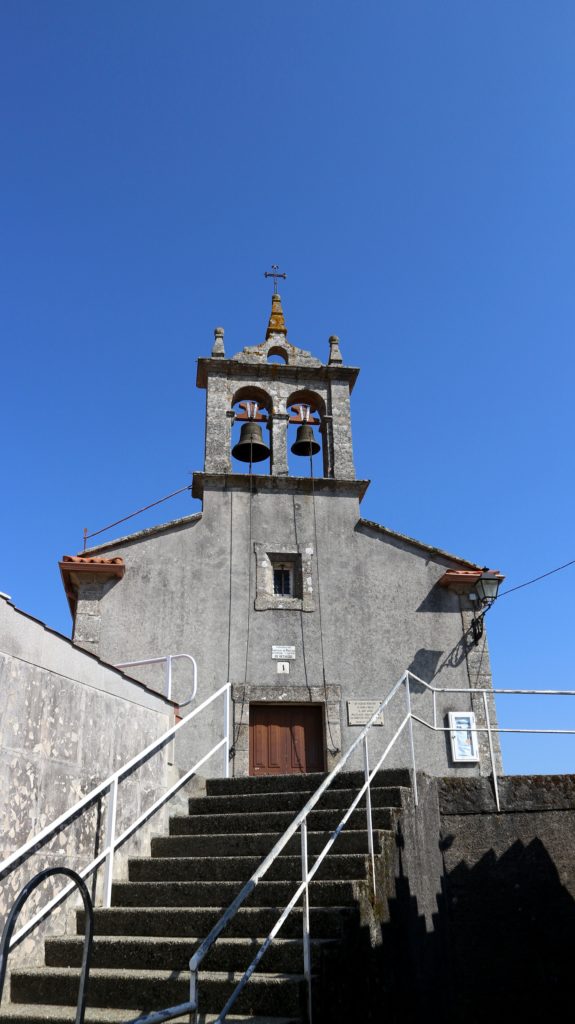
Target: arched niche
[250, 404]
[307, 407]
[277, 352]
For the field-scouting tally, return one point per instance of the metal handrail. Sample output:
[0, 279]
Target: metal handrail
[191, 1006]
[300, 821]
[110, 785]
[7, 944]
[168, 659]
[484, 691]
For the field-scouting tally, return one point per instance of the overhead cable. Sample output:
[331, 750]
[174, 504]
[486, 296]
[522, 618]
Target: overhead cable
[537, 578]
[132, 514]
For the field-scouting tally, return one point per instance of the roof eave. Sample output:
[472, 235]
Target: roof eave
[421, 545]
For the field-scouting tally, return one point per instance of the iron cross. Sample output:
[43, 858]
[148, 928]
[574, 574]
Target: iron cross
[274, 272]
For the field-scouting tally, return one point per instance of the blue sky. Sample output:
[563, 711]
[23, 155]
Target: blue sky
[411, 167]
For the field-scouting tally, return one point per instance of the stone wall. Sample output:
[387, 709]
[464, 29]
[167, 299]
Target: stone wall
[374, 609]
[67, 721]
[326, 388]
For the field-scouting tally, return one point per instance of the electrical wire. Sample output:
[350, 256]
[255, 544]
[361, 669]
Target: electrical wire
[230, 582]
[520, 586]
[249, 572]
[301, 614]
[334, 749]
[87, 535]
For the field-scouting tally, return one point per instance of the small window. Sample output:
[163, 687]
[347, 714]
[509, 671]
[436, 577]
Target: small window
[283, 579]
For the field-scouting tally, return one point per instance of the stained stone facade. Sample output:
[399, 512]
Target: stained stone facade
[365, 602]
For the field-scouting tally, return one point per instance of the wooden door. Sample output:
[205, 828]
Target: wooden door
[286, 739]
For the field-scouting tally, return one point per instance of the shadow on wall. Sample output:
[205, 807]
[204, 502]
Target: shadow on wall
[394, 976]
[511, 926]
[424, 665]
[500, 949]
[427, 665]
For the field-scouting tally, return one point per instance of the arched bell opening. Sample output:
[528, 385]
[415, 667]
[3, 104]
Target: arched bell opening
[305, 435]
[251, 448]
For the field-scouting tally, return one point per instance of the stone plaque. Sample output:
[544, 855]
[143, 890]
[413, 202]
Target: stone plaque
[359, 712]
[283, 653]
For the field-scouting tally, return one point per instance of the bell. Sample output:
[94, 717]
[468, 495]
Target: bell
[251, 447]
[305, 442]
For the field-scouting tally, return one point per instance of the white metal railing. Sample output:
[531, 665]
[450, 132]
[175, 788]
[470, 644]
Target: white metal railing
[300, 822]
[307, 872]
[110, 786]
[167, 659]
[488, 728]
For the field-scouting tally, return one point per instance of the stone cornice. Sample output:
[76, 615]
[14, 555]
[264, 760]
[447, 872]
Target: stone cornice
[260, 484]
[271, 371]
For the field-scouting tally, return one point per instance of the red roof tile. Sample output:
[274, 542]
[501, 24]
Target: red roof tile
[71, 565]
[464, 579]
[80, 559]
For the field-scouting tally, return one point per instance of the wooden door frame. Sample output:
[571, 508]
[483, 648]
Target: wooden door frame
[245, 694]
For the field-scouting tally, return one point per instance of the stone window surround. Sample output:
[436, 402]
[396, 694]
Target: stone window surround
[301, 555]
[245, 693]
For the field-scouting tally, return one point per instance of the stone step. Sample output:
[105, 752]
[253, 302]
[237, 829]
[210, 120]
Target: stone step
[260, 843]
[236, 803]
[213, 894]
[325, 922]
[159, 869]
[273, 821]
[272, 994]
[24, 1013]
[293, 783]
[165, 954]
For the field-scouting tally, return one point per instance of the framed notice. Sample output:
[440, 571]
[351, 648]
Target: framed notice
[463, 736]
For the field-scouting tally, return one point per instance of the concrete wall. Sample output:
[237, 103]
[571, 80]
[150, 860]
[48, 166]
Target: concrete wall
[67, 721]
[475, 910]
[375, 609]
[509, 895]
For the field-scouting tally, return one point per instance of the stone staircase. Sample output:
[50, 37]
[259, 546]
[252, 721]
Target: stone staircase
[143, 943]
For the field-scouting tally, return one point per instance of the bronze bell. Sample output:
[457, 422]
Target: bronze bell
[251, 447]
[305, 442]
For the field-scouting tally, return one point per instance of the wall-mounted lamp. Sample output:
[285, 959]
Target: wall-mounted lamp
[485, 592]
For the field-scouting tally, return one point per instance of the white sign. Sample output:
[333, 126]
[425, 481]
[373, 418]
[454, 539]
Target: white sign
[283, 653]
[463, 736]
[359, 712]
[282, 668]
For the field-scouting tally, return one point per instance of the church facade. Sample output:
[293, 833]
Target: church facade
[280, 587]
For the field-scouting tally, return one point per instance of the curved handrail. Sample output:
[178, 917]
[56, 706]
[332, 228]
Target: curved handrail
[168, 659]
[6, 942]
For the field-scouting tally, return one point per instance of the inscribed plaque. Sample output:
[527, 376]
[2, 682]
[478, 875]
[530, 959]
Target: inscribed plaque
[359, 712]
[283, 653]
